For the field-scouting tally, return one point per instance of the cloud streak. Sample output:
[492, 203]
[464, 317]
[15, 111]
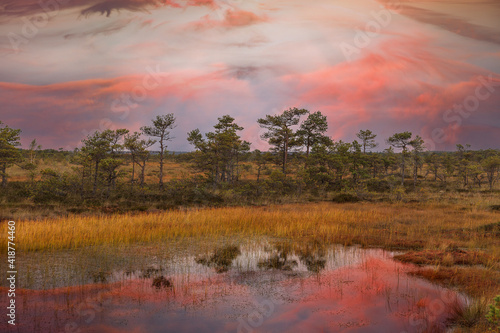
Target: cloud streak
[249, 59]
[18, 8]
[452, 24]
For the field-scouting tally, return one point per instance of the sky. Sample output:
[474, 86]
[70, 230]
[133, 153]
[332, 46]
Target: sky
[71, 67]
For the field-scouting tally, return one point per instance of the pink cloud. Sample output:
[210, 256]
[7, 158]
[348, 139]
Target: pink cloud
[233, 18]
[60, 115]
[393, 91]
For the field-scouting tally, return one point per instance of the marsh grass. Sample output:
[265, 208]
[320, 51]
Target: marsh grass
[280, 258]
[459, 239]
[221, 259]
[447, 257]
[475, 281]
[469, 314]
[403, 226]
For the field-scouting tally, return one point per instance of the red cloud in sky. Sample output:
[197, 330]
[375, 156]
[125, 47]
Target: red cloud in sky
[386, 92]
[62, 114]
[232, 18]
[238, 18]
[210, 3]
[408, 78]
[395, 91]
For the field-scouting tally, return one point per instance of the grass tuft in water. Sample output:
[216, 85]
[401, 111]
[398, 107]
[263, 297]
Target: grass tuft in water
[161, 282]
[221, 259]
[467, 315]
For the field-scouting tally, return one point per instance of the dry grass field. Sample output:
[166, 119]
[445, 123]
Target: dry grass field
[460, 241]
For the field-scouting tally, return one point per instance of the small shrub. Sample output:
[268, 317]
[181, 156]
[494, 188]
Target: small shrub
[345, 197]
[495, 207]
[221, 259]
[493, 315]
[467, 315]
[376, 185]
[279, 262]
[76, 210]
[140, 208]
[54, 187]
[490, 228]
[279, 259]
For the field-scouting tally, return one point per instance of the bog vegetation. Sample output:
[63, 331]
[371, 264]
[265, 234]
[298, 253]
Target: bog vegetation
[440, 207]
[116, 170]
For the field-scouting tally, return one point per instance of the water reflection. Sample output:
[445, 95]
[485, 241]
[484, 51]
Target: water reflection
[280, 258]
[313, 256]
[253, 287]
[221, 258]
[162, 282]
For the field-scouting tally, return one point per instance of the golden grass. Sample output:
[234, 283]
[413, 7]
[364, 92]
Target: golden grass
[448, 257]
[371, 224]
[475, 281]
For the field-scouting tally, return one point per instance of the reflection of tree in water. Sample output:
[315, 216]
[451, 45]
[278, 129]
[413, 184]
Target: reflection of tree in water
[279, 259]
[312, 255]
[221, 259]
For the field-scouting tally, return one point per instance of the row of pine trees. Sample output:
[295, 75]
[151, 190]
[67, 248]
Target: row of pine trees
[298, 144]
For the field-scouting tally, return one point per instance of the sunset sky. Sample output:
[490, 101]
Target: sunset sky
[70, 67]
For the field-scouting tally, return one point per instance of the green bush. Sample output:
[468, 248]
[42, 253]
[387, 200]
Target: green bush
[53, 187]
[493, 315]
[378, 185]
[345, 197]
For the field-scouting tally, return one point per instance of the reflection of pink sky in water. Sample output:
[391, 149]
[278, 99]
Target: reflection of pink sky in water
[375, 295]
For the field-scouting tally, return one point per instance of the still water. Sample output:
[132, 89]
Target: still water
[231, 286]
